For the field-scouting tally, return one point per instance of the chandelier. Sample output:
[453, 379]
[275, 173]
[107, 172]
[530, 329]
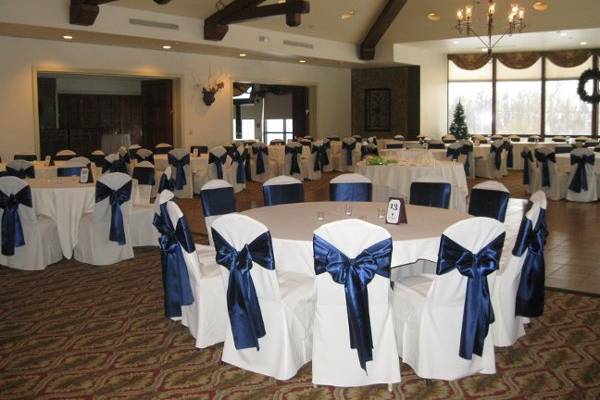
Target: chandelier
[516, 23]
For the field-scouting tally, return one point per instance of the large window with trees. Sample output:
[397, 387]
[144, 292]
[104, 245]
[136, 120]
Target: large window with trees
[473, 88]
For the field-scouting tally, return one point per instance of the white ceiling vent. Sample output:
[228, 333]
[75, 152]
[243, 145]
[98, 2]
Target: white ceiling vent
[153, 24]
[299, 44]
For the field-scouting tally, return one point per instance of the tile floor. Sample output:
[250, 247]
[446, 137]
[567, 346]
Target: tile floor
[572, 251]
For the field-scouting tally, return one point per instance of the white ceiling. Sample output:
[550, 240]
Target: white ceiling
[411, 25]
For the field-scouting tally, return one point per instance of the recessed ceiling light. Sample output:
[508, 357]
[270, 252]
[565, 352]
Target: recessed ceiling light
[433, 16]
[280, 1]
[484, 49]
[67, 37]
[243, 54]
[348, 14]
[166, 47]
[583, 43]
[301, 61]
[540, 6]
[563, 34]
[455, 42]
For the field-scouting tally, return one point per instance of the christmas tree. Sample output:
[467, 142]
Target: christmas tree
[459, 126]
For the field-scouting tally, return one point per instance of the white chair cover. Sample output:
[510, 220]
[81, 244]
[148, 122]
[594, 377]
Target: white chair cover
[531, 177]
[220, 153]
[399, 138]
[349, 144]
[22, 168]
[260, 150]
[181, 156]
[286, 307]
[287, 164]
[41, 245]
[486, 167]
[428, 311]
[557, 188]
[334, 362]
[582, 176]
[329, 166]
[312, 164]
[214, 207]
[146, 188]
[94, 246]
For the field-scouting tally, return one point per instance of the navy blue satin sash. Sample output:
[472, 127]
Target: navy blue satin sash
[359, 191]
[24, 173]
[245, 316]
[394, 146]
[466, 149]
[355, 274]
[114, 166]
[531, 140]
[530, 295]
[218, 162]
[527, 158]
[242, 165]
[217, 201]
[293, 151]
[176, 281]
[166, 183]
[436, 146]
[489, 203]
[509, 157]
[283, 194]
[63, 157]
[178, 165]
[454, 154]
[430, 194]
[579, 182]
[497, 153]
[260, 153]
[348, 148]
[149, 158]
[144, 176]
[26, 157]
[97, 159]
[478, 313]
[116, 199]
[74, 171]
[321, 158]
[367, 150]
[12, 230]
[162, 150]
[543, 160]
[515, 140]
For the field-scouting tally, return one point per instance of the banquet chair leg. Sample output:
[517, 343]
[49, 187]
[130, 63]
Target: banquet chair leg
[427, 382]
[390, 387]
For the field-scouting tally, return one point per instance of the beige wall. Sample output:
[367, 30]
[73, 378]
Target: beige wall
[199, 124]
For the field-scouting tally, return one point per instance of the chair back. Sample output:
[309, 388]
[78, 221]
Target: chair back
[489, 199]
[369, 149]
[65, 155]
[179, 161]
[559, 139]
[334, 138]
[583, 172]
[277, 142]
[546, 159]
[217, 159]
[399, 137]
[113, 206]
[448, 138]
[283, 190]
[534, 138]
[431, 191]
[436, 144]
[74, 166]
[97, 157]
[114, 163]
[131, 150]
[514, 138]
[563, 148]
[26, 157]
[350, 187]
[201, 149]
[217, 198]
[167, 181]
[17, 217]
[163, 148]
[144, 155]
[143, 172]
[21, 169]
[394, 144]
[581, 139]
[293, 159]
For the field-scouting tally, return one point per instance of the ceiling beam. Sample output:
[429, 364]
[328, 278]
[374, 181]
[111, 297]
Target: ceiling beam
[216, 26]
[382, 23]
[85, 12]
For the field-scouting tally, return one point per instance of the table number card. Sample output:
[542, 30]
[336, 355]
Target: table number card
[396, 211]
[195, 153]
[84, 175]
[47, 161]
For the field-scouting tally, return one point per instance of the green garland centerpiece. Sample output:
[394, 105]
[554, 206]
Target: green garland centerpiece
[378, 160]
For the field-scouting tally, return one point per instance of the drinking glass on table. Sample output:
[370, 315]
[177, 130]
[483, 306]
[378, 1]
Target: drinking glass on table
[348, 209]
[320, 216]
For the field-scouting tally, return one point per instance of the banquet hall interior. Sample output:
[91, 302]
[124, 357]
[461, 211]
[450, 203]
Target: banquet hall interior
[321, 199]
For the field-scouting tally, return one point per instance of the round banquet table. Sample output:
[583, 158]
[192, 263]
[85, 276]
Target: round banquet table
[64, 200]
[563, 162]
[292, 227]
[41, 171]
[395, 179]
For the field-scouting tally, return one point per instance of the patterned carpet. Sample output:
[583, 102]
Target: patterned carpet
[80, 332]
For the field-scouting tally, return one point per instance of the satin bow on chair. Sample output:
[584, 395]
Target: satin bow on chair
[349, 148]
[293, 151]
[242, 164]
[24, 173]
[242, 302]
[179, 164]
[509, 157]
[116, 199]
[530, 295]
[579, 182]
[543, 160]
[369, 150]
[218, 161]
[166, 183]
[260, 153]
[497, 152]
[114, 166]
[454, 154]
[321, 159]
[478, 313]
[12, 230]
[527, 158]
[176, 281]
[144, 176]
[355, 274]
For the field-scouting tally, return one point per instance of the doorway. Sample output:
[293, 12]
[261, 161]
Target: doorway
[90, 112]
[268, 111]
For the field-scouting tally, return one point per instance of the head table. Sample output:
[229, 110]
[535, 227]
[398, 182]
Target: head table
[395, 179]
[292, 227]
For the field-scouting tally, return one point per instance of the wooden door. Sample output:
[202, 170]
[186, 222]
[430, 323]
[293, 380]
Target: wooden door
[157, 112]
[299, 111]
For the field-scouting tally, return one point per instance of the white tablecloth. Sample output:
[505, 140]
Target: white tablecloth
[41, 171]
[292, 227]
[112, 143]
[563, 162]
[161, 162]
[395, 179]
[64, 200]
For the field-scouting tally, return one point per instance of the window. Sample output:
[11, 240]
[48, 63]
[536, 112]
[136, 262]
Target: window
[518, 107]
[247, 130]
[278, 129]
[476, 98]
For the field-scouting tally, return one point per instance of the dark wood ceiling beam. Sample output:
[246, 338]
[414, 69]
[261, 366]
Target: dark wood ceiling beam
[85, 12]
[216, 26]
[381, 25]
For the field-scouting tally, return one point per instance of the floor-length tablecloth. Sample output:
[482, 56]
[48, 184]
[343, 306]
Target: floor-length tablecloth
[395, 179]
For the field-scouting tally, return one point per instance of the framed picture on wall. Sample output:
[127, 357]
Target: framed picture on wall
[378, 109]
